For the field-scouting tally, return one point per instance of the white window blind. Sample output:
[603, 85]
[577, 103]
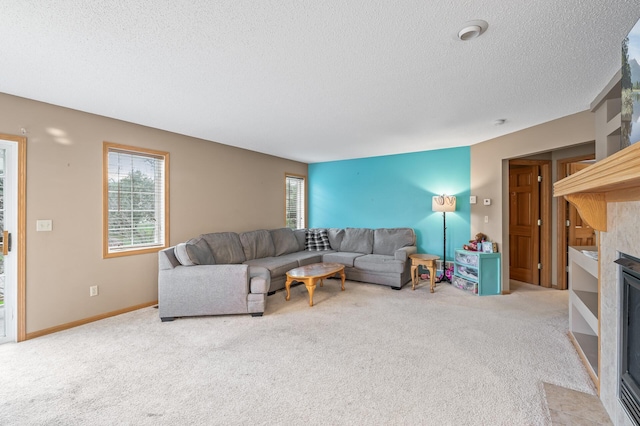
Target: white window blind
[136, 200]
[295, 202]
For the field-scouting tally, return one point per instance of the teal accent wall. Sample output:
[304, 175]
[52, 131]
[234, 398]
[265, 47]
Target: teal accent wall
[395, 191]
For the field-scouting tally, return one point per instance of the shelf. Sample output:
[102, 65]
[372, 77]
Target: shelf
[613, 125]
[588, 345]
[584, 306]
[585, 262]
[590, 301]
[586, 303]
[613, 179]
[611, 91]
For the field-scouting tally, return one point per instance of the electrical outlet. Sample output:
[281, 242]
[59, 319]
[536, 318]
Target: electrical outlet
[44, 225]
[486, 219]
[93, 290]
[487, 201]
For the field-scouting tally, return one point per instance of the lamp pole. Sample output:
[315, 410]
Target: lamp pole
[444, 250]
[444, 203]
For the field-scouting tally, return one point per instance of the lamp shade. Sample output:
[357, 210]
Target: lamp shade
[443, 203]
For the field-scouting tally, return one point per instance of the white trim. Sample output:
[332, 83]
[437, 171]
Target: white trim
[11, 225]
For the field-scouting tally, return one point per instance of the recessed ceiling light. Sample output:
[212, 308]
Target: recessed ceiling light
[472, 29]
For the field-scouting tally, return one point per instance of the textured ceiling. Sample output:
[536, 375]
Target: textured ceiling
[316, 80]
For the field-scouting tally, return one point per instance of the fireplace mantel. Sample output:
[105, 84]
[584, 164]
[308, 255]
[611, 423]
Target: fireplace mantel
[613, 179]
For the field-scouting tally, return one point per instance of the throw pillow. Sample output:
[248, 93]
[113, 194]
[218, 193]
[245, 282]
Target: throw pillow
[194, 252]
[357, 240]
[301, 237]
[200, 252]
[225, 247]
[317, 240]
[181, 254]
[335, 237]
[388, 240]
[284, 241]
[257, 244]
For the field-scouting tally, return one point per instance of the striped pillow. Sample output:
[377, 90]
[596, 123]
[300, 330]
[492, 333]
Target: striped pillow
[317, 240]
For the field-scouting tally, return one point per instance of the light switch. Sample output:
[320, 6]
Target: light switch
[44, 225]
[473, 199]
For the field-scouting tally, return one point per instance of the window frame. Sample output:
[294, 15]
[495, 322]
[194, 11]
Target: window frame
[304, 206]
[108, 147]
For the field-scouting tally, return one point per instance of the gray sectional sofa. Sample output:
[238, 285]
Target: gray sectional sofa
[232, 273]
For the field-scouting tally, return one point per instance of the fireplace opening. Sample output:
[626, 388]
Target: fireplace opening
[630, 343]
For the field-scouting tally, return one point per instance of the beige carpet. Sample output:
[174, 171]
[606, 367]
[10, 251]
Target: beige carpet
[369, 355]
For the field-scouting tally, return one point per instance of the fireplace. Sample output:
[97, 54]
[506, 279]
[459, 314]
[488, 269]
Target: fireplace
[629, 391]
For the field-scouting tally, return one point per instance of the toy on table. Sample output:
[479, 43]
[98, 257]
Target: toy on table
[476, 244]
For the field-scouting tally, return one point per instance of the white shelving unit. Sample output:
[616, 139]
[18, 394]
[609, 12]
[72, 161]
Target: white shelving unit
[583, 306]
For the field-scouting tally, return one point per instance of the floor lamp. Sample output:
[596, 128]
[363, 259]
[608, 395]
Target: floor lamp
[444, 203]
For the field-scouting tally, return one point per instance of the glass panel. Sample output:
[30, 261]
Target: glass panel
[295, 201]
[135, 200]
[633, 327]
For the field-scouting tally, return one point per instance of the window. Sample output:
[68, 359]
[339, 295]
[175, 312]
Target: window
[135, 200]
[295, 201]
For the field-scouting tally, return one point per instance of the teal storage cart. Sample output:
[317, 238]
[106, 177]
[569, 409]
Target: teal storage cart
[477, 272]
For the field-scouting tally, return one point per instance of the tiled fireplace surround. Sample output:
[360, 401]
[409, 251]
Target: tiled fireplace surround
[622, 236]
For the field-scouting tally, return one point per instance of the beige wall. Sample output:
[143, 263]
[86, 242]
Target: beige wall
[213, 187]
[489, 171]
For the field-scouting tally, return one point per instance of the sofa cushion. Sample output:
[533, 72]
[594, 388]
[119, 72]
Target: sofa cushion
[301, 236]
[257, 244]
[284, 241]
[196, 251]
[379, 263]
[225, 247]
[277, 266]
[181, 254]
[357, 240]
[335, 237]
[305, 257]
[388, 240]
[342, 257]
[317, 240]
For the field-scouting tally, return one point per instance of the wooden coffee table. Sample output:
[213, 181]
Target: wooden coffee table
[426, 260]
[310, 274]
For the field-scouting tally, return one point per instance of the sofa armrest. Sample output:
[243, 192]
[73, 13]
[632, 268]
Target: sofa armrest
[223, 279]
[167, 259]
[260, 279]
[203, 290]
[404, 252]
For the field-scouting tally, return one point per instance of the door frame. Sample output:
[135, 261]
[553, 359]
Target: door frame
[561, 242]
[21, 251]
[544, 199]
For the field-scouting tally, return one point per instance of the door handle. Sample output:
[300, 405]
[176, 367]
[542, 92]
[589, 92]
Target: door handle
[6, 242]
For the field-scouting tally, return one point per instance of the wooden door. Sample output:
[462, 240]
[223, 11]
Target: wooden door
[524, 232]
[562, 241]
[580, 233]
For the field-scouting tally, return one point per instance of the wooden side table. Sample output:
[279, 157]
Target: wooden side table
[429, 262]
